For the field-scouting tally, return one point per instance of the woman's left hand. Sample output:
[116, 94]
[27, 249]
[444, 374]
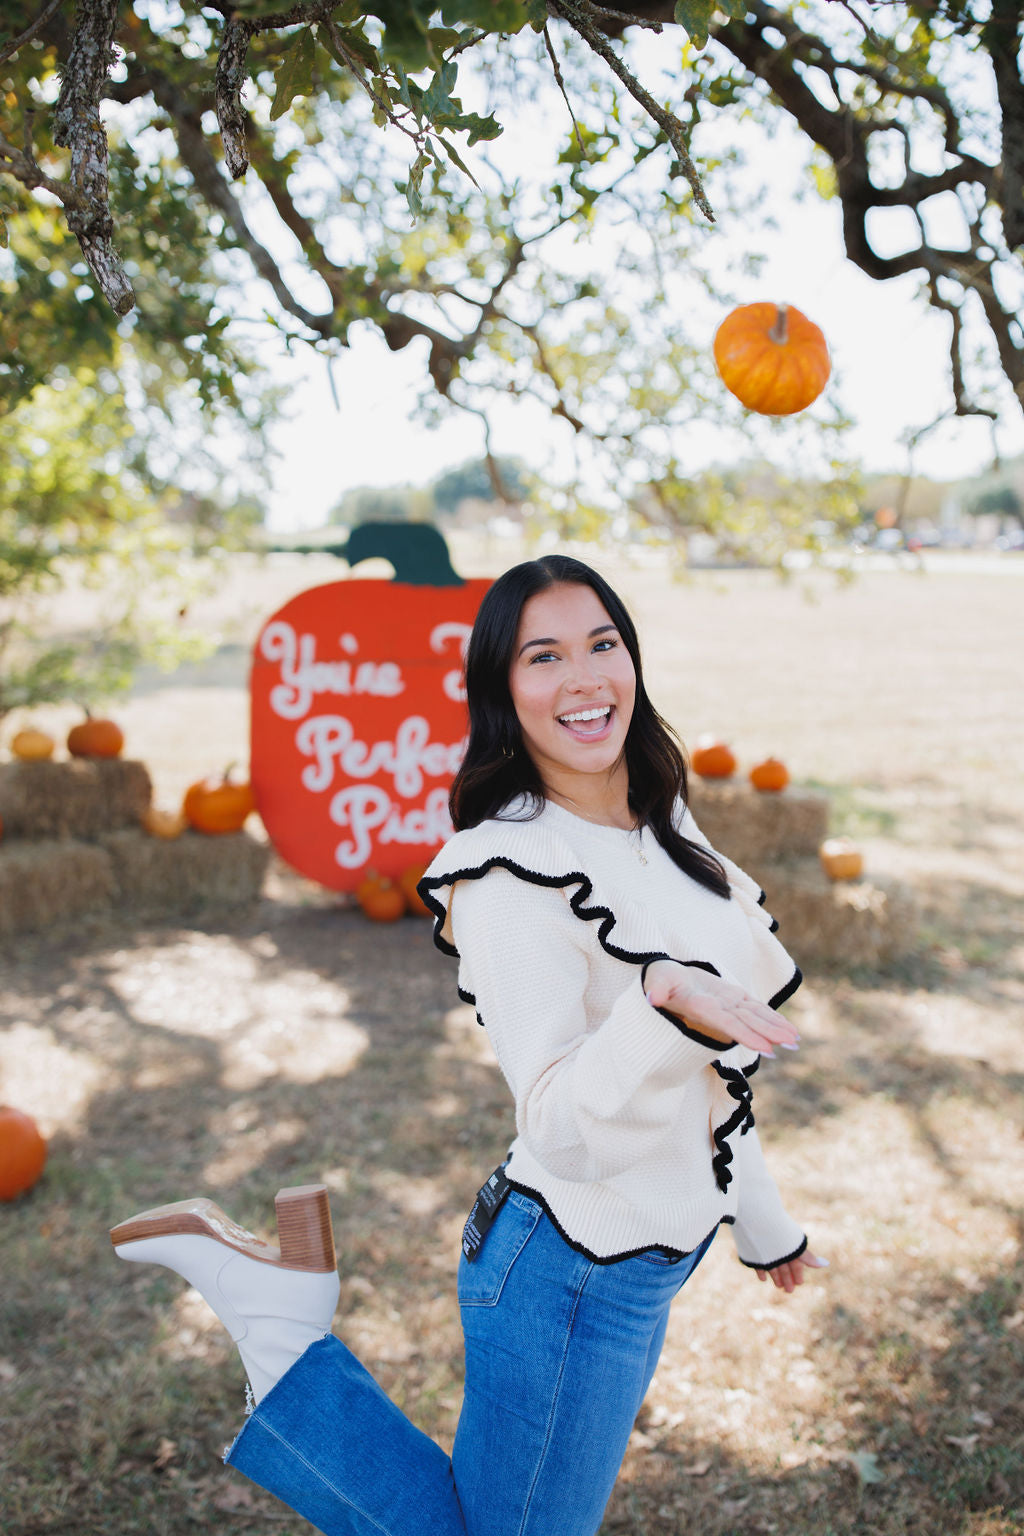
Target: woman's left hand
[717, 1008]
[791, 1274]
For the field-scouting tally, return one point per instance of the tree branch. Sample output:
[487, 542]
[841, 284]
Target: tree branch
[203, 168]
[228, 83]
[11, 48]
[21, 164]
[557, 71]
[559, 408]
[1003, 37]
[578, 13]
[77, 126]
[844, 133]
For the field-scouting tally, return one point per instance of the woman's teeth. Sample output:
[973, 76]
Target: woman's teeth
[586, 714]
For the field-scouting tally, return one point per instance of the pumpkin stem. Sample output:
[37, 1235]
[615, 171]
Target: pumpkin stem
[417, 551]
[779, 332]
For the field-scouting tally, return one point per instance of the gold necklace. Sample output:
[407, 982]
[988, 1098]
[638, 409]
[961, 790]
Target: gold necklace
[633, 831]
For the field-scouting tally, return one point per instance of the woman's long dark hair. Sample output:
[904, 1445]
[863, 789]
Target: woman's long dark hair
[497, 766]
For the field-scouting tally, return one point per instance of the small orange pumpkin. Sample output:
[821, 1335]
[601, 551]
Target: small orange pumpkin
[22, 1152]
[772, 358]
[381, 899]
[841, 859]
[407, 882]
[770, 775]
[165, 825]
[93, 737]
[712, 759]
[218, 804]
[32, 745]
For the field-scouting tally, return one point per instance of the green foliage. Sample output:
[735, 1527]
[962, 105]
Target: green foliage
[472, 480]
[571, 276]
[1000, 493]
[696, 16]
[438, 499]
[83, 517]
[295, 75]
[111, 484]
[755, 512]
[391, 504]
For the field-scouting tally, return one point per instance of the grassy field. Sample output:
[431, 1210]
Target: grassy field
[282, 1046]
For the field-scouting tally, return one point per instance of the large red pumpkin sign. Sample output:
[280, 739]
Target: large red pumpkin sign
[359, 715]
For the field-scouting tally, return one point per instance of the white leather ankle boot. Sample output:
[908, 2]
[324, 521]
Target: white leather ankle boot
[273, 1302]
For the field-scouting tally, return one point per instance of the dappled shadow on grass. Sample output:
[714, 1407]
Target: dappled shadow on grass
[917, 1430]
[288, 1045]
[401, 1129]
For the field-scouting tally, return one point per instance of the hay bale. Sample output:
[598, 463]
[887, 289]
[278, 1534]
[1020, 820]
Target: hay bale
[756, 829]
[839, 923]
[187, 874]
[83, 797]
[46, 882]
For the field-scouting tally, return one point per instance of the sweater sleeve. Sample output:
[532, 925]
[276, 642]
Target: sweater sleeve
[592, 1099]
[764, 1233]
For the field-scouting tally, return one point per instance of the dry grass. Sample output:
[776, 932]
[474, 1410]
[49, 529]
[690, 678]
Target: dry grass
[282, 1046]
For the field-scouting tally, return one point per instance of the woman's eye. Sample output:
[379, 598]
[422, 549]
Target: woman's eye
[611, 644]
[542, 656]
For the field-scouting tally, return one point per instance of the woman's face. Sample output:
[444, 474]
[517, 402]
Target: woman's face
[573, 685]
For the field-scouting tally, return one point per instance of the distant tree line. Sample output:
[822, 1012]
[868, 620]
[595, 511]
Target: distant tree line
[501, 482]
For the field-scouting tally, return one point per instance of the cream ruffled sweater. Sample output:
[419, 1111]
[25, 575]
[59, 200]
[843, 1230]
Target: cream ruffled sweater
[633, 1130]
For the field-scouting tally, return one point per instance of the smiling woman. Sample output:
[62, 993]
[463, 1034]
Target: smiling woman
[552, 634]
[573, 692]
[628, 978]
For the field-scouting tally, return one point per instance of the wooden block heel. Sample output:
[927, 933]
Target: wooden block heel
[273, 1303]
[304, 1229]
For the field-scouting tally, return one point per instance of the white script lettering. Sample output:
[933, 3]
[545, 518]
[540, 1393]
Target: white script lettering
[453, 683]
[331, 741]
[303, 677]
[366, 808]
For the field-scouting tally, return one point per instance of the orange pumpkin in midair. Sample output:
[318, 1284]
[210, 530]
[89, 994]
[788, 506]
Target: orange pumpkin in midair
[772, 358]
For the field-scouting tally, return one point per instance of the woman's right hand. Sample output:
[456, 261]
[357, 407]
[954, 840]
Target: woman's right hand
[717, 1008]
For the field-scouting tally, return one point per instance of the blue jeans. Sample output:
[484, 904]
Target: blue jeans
[560, 1352]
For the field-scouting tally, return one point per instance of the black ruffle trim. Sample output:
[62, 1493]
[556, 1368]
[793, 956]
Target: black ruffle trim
[786, 992]
[774, 925]
[776, 1262]
[615, 1258]
[742, 1118]
[604, 916]
[597, 913]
